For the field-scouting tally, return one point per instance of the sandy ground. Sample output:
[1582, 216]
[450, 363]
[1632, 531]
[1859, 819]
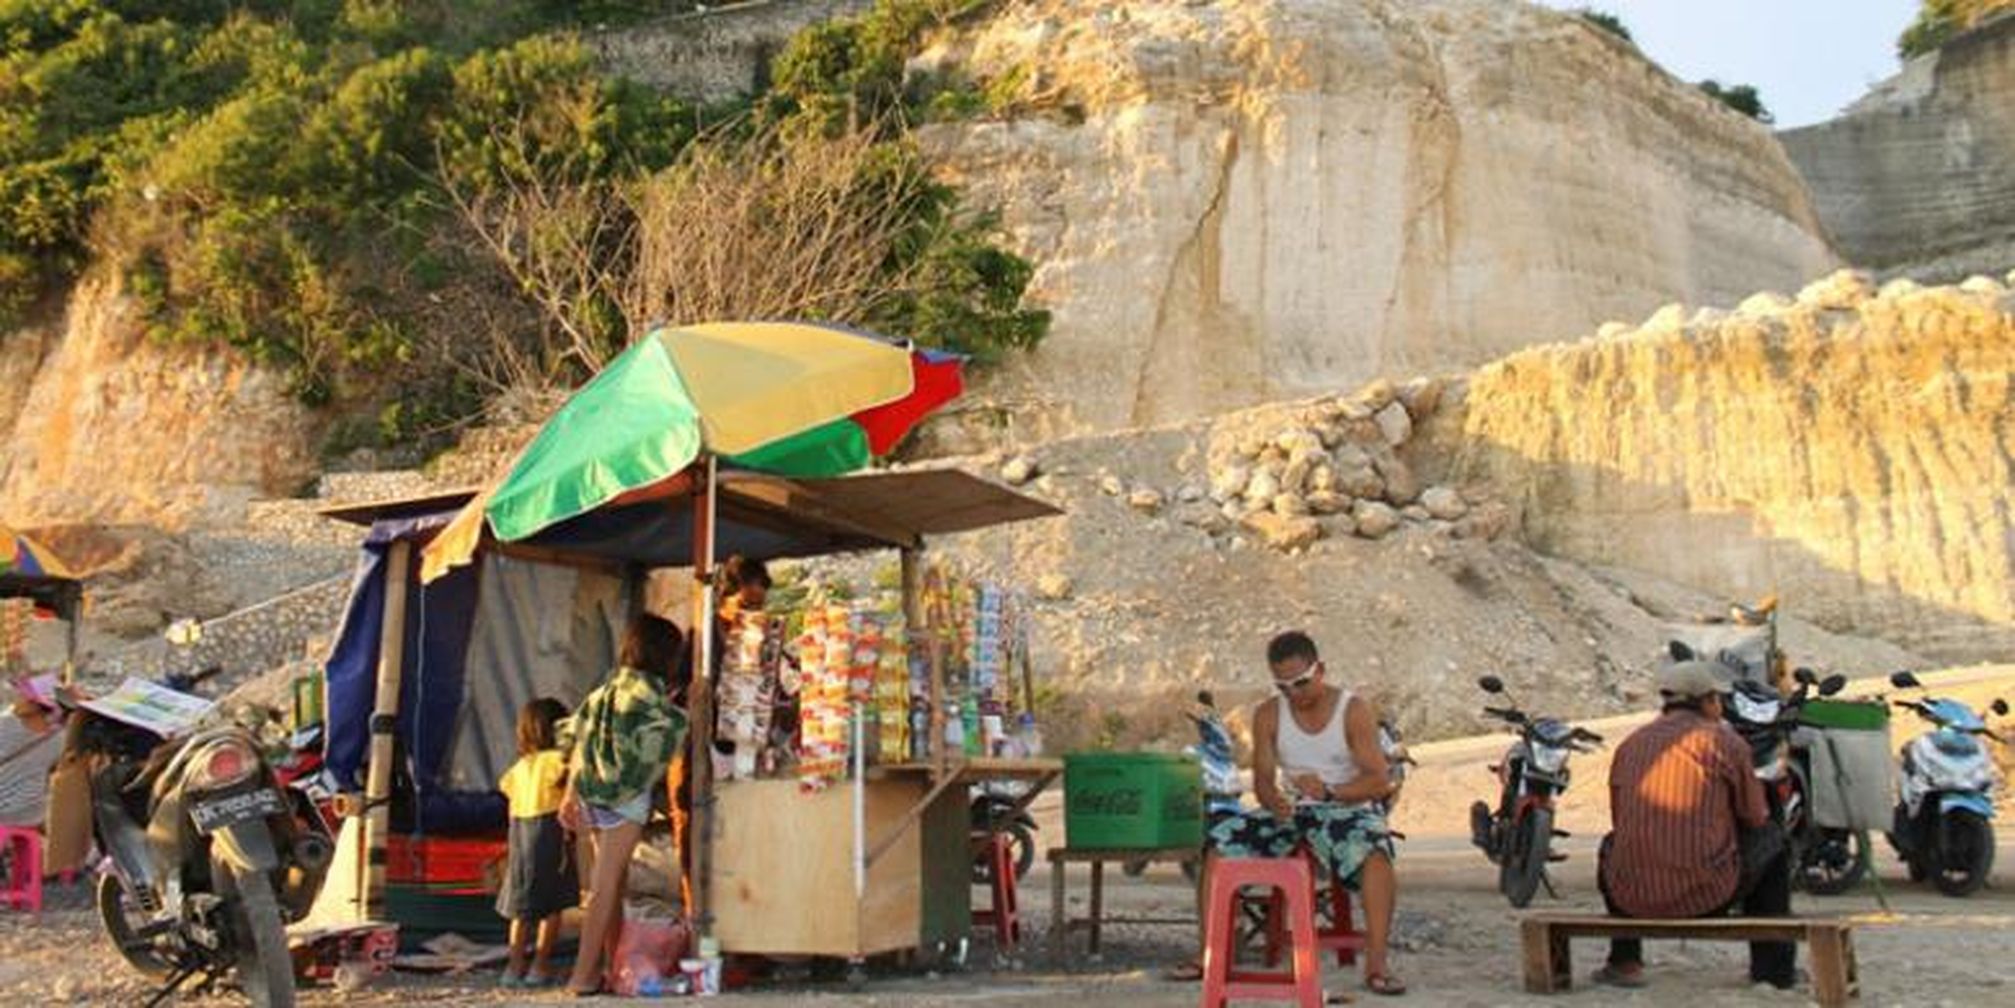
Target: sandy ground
[1457, 938]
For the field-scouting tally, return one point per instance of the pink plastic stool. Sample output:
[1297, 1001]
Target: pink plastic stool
[1224, 981]
[23, 845]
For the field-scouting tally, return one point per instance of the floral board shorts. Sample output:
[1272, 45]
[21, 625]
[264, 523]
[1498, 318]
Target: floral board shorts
[1341, 836]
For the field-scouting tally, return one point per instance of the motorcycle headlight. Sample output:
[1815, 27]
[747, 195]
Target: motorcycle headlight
[1549, 759]
[221, 764]
[1755, 710]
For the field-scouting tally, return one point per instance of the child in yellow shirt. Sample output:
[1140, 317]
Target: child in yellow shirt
[539, 880]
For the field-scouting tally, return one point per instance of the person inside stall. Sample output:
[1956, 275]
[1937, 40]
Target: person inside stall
[30, 742]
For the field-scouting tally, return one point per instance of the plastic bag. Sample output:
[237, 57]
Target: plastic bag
[648, 954]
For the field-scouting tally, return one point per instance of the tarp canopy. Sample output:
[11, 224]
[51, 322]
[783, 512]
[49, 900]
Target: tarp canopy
[29, 570]
[540, 617]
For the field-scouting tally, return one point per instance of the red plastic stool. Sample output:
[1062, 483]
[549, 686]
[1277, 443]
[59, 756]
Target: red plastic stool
[1338, 934]
[23, 846]
[1295, 886]
[1005, 914]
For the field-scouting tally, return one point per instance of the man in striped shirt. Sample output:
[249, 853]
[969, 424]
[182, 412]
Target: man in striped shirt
[1680, 789]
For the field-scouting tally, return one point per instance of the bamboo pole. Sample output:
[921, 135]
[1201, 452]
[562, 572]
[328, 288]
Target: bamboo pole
[384, 725]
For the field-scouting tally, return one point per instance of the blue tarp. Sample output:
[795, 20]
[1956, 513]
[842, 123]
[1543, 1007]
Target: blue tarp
[438, 620]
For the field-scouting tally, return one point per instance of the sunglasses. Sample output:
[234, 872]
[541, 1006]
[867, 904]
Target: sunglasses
[1290, 685]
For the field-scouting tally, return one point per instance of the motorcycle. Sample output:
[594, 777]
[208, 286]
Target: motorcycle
[1824, 861]
[1518, 836]
[995, 810]
[205, 858]
[1943, 826]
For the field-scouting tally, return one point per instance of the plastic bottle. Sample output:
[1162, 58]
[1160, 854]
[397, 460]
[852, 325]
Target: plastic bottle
[971, 714]
[955, 728]
[920, 733]
[1029, 734]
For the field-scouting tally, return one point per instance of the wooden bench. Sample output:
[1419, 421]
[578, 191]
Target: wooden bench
[1060, 920]
[1548, 967]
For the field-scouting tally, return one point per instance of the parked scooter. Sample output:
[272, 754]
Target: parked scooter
[994, 810]
[1824, 862]
[206, 859]
[1518, 836]
[1943, 828]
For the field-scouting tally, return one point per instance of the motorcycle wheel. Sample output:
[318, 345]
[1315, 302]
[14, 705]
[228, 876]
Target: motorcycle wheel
[1022, 847]
[121, 925]
[1833, 863]
[265, 967]
[1524, 860]
[1966, 855]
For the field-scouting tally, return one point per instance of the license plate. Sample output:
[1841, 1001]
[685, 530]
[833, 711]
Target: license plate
[213, 814]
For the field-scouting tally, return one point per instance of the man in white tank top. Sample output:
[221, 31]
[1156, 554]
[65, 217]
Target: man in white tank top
[1319, 774]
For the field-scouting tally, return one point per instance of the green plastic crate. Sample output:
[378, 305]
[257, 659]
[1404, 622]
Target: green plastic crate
[1132, 800]
[1852, 715]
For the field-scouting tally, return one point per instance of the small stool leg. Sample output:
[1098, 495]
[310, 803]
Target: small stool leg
[1829, 966]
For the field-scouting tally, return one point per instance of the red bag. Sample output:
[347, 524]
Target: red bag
[648, 954]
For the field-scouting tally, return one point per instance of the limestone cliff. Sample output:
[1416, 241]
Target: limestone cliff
[113, 427]
[1244, 200]
[1918, 177]
[1852, 451]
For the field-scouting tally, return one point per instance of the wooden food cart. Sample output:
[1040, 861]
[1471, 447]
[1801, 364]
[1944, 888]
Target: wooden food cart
[880, 861]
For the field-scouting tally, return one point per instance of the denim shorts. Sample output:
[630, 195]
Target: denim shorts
[637, 810]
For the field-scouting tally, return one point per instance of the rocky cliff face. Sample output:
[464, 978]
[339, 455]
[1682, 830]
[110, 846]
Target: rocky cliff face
[1247, 200]
[1919, 176]
[1849, 449]
[114, 428]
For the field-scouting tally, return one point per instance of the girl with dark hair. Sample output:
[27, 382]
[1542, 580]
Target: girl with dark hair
[625, 736]
[538, 873]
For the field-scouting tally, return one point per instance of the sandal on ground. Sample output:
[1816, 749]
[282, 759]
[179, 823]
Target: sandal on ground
[595, 991]
[1617, 976]
[1337, 999]
[1385, 984]
[1184, 972]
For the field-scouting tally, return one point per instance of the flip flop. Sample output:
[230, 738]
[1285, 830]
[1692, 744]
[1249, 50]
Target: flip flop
[1184, 972]
[1384, 984]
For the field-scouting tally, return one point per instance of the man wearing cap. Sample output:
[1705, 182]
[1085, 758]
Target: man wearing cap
[1681, 790]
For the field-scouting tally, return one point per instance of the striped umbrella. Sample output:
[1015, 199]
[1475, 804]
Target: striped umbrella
[21, 556]
[794, 399]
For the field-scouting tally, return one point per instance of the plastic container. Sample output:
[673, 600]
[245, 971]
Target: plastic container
[1132, 800]
[1852, 715]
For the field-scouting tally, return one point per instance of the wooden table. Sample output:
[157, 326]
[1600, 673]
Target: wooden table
[1059, 913]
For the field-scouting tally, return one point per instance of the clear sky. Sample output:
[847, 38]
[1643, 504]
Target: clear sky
[1807, 58]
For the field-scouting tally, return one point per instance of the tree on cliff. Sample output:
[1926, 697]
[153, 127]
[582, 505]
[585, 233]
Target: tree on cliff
[1939, 20]
[1742, 98]
[268, 175]
[1606, 21]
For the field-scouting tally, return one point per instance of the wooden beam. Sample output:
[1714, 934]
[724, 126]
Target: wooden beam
[701, 700]
[803, 502]
[384, 726]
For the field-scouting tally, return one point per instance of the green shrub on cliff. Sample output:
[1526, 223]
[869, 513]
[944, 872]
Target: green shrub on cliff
[1742, 98]
[1939, 20]
[277, 176]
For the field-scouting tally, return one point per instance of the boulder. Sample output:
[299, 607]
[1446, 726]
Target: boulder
[1327, 502]
[1361, 481]
[1395, 425]
[1421, 396]
[1322, 478]
[1414, 512]
[1840, 289]
[1401, 485]
[1020, 470]
[1262, 488]
[1147, 500]
[1290, 504]
[1443, 503]
[1229, 482]
[1374, 520]
[1111, 486]
[1053, 587]
[1284, 532]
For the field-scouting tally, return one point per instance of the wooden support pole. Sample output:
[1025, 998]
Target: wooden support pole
[701, 693]
[384, 726]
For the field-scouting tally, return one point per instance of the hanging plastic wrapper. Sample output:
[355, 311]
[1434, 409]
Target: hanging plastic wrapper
[747, 692]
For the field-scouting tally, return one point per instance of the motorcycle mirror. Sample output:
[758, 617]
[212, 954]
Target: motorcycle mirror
[2000, 707]
[1904, 680]
[1679, 651]
[1832, 684]
[1804, 675]
[1491, 684]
